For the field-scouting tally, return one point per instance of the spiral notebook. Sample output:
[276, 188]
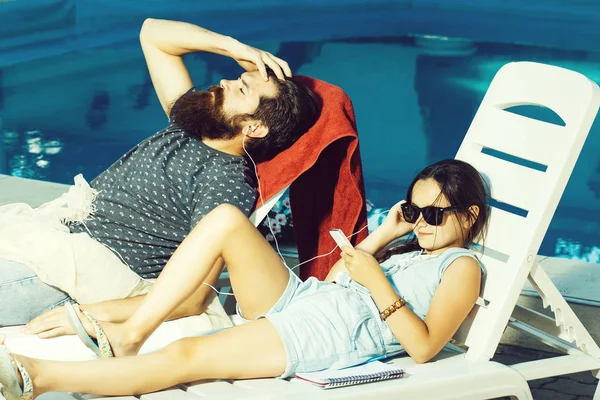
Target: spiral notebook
[371, 372]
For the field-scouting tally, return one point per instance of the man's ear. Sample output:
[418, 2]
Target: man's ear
[255, 129]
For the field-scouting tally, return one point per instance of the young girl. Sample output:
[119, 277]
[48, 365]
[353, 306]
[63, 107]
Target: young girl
[372, 304]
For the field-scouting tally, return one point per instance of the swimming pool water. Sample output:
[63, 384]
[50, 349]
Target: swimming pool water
[78, 112]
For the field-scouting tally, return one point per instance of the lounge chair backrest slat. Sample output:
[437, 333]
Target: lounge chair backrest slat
[510, 133]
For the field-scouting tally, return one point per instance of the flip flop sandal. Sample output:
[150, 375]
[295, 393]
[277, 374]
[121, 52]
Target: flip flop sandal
[100, 346]
[9, 383]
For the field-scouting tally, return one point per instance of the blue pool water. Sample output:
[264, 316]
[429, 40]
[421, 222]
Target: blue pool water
[78, 111]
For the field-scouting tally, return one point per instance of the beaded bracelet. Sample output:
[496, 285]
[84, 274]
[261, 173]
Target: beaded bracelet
[398, 304]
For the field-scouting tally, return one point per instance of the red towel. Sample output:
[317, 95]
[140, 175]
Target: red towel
[327, 187]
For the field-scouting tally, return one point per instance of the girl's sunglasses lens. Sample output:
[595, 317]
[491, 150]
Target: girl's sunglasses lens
[433, 215]
[409, 212]
[429, 215]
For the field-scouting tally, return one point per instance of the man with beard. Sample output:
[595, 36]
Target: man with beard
[147, 201]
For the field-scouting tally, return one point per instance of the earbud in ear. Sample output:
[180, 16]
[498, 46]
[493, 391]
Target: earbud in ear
[253, 128]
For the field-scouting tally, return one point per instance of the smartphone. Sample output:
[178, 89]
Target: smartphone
[340, 238]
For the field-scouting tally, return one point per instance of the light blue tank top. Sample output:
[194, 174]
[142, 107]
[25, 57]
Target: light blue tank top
[414, 276]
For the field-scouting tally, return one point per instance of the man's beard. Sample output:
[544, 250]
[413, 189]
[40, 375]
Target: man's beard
[201, 115]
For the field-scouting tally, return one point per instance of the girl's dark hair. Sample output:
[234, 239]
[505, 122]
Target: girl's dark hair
[463, 186]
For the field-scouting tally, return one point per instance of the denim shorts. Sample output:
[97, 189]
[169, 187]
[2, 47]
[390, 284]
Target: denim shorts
[324, 325]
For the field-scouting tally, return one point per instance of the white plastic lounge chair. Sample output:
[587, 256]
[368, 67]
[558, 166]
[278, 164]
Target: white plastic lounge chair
[510, 254]
[549, 153]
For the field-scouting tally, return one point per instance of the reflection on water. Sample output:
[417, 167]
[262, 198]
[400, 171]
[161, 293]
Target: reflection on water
[56, 157]
[574, 250]
[28, 154]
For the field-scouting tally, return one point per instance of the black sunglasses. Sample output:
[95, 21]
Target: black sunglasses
[432, 215]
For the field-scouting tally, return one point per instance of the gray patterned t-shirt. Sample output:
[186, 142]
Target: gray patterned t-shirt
[152, 197]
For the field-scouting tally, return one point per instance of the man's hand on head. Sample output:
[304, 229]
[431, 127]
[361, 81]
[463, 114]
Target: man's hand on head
[253, 59]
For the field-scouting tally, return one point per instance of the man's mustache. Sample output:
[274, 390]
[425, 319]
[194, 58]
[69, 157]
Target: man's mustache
[218, 93]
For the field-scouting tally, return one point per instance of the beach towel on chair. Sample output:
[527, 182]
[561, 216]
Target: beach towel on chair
[325, 173]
